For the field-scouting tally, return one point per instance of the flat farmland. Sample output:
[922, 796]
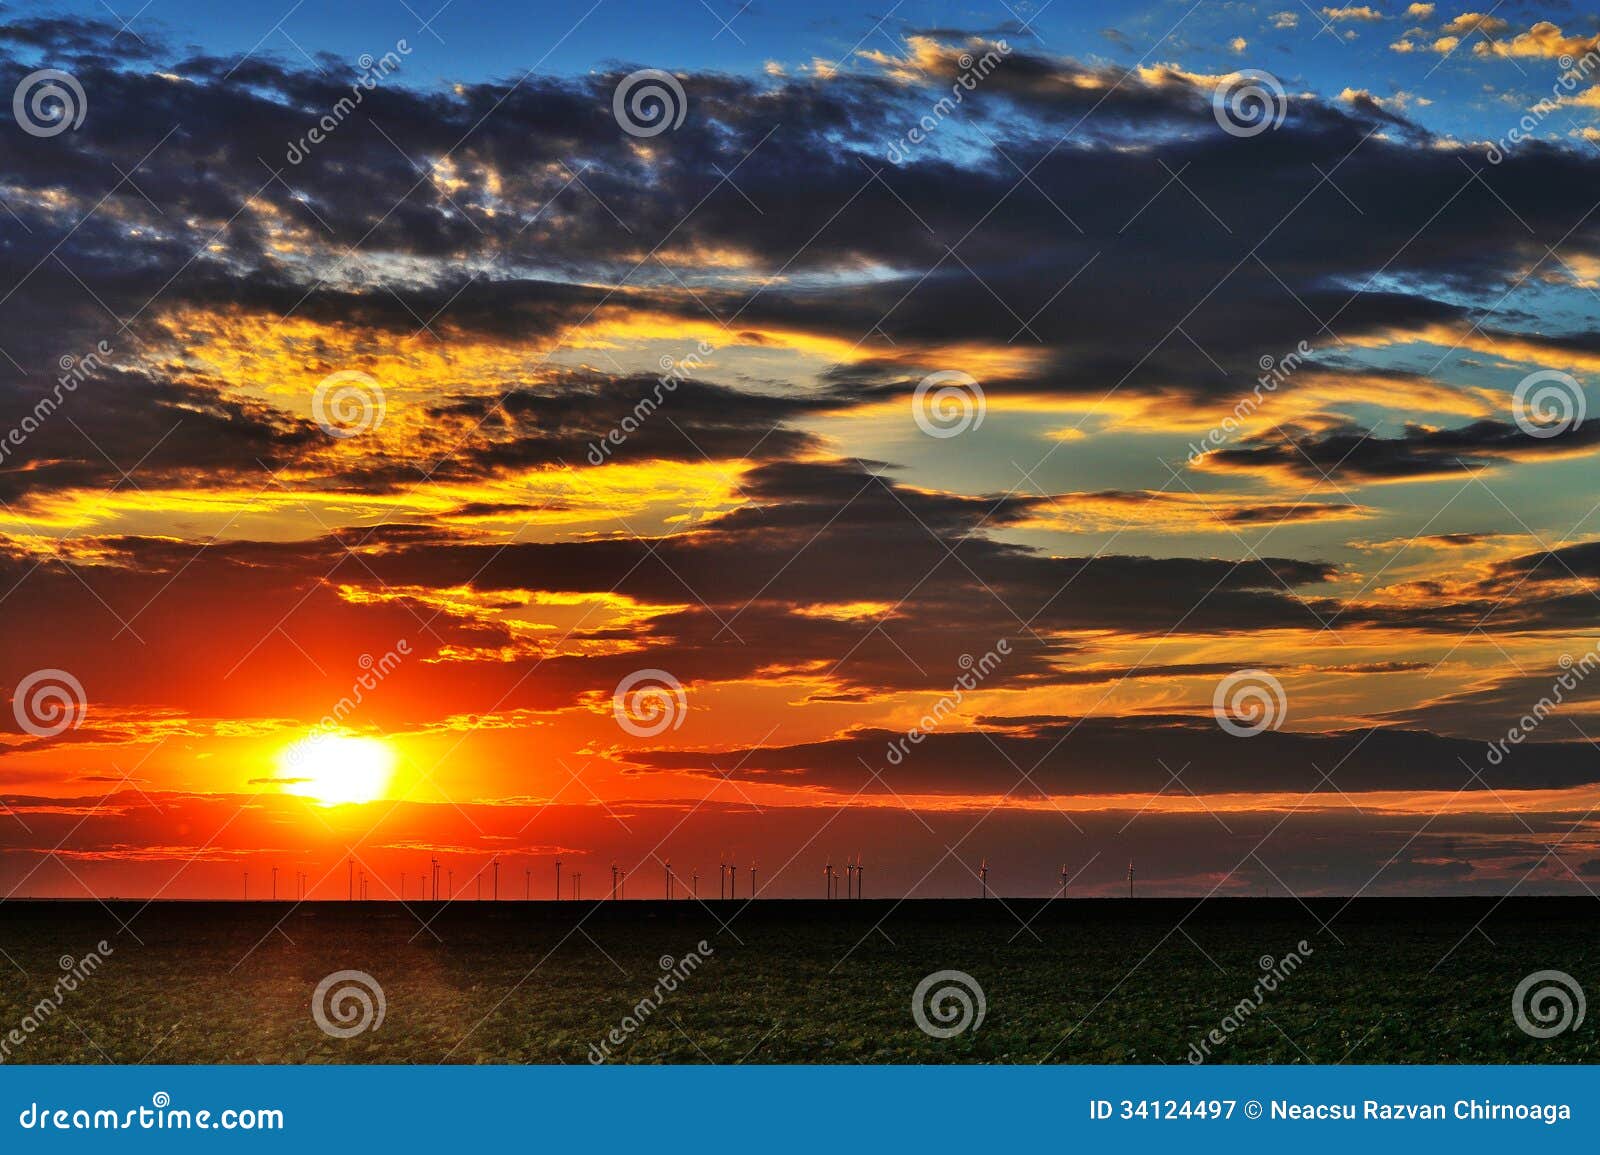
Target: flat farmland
[1081, 981]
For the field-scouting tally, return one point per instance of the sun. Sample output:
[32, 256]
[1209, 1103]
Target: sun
[335, 770]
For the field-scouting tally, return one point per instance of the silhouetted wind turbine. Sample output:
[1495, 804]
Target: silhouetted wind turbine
[861, 872]
[694, 880]
[247, 886]
[1130, 878]
[733, 880]
[828, 876]
[558, 880]
[983, 876]
[668, 865]
[752, 878]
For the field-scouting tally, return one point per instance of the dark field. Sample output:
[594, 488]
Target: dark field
[803, 982]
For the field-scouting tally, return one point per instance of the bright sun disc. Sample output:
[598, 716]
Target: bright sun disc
[334, 770]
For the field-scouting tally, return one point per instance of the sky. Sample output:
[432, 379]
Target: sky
[1069, 442]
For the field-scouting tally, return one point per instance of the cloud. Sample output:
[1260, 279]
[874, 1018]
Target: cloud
[1071, 757]
[1354, 455]
[1543, 40]
[1468, 22]
[1362, 13]
[1378, 105]
[509, 192]
[766, 522]
[1488, 710]
[215, 631]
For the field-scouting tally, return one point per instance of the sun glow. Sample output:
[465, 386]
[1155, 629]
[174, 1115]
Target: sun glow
[335, 770]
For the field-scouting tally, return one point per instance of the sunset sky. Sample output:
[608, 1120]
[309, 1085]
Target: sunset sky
[1189, 349]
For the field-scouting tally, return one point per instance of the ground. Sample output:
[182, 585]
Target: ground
[1089, 981]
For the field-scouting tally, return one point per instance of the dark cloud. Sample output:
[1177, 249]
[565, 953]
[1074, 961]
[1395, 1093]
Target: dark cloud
[211, 629]
[1580, 560]
[1556, 704]
[502, 194]
[109, 423]
[1177, 755]
[590, 419]
[1354, 455]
